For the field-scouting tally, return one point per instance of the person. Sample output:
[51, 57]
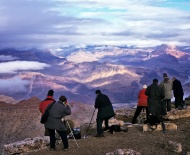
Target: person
[59, 110]
[43, 105]
[142, 104]
[105, 112]
[155, 96]
[178, 93]
[167, 86]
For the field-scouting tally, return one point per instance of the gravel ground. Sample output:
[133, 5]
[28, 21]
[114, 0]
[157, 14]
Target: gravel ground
[147, 143]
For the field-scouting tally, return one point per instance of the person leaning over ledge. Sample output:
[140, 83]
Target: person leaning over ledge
[59, 110]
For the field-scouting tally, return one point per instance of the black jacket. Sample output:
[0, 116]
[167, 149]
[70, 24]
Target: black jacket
[177, 88]
[104, 106]
[155, 94]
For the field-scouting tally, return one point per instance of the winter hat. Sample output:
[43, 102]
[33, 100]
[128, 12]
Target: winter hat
[97, 92]
[174, 78]
[50, 93]
[62, 98]
[155, 80]
[144, 86]
[165, 75]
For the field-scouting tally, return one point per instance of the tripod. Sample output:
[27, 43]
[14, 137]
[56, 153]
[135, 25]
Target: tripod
[90, 121]
[72, 134]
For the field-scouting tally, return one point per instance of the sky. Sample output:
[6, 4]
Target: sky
[52, 24]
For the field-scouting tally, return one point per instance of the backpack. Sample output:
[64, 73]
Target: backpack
[46, 114]
[153, 120]
[114, 128]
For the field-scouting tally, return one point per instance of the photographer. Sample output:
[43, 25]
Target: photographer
[59, 110]
[105, 112]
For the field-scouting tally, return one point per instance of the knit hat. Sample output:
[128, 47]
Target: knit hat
[144, 86]
[165, 75]
[155, 80]
[97, 92]
[62, 98]
[50, 93]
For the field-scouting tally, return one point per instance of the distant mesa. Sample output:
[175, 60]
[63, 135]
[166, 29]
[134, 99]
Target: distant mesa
[7, 99]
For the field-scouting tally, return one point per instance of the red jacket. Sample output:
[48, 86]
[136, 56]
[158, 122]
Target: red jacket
[43, 105]
[142, 98]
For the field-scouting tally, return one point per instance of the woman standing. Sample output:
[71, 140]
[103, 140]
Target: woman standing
[142, 104]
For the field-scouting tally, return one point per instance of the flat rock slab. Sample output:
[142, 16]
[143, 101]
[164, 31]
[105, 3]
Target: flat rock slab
[168, 126]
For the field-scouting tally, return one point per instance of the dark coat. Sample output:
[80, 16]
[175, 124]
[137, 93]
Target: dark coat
[104, 106]
[155, 94]
[56, 113]
[177, 88]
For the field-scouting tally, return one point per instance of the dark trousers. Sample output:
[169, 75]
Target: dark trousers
[178, 101]
[99, 122]
[137, 113]
[167, 105]
[63, 135]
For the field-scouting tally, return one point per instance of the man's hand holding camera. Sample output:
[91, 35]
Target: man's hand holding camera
[65, 103]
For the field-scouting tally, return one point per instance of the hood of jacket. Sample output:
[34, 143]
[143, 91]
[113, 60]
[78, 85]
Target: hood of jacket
[166, 80]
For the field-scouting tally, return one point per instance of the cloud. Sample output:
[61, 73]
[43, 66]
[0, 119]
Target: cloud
[7, 58]
[13, 85]
[57, 23]
[15, 66]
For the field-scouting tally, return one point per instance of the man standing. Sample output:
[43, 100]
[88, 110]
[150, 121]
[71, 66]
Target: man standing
[155, 95]
[59, 110]
[167, 86]
[105, 112]
[43, 105]
[178, 93]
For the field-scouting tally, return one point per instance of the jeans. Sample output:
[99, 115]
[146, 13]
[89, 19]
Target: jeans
[63, 135]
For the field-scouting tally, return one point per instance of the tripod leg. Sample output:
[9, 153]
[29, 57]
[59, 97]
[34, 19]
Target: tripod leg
[90, 121]
[72, 134]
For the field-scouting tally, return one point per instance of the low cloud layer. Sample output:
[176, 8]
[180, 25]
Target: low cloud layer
[7, 58]
[13, 85]
[15, 66]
